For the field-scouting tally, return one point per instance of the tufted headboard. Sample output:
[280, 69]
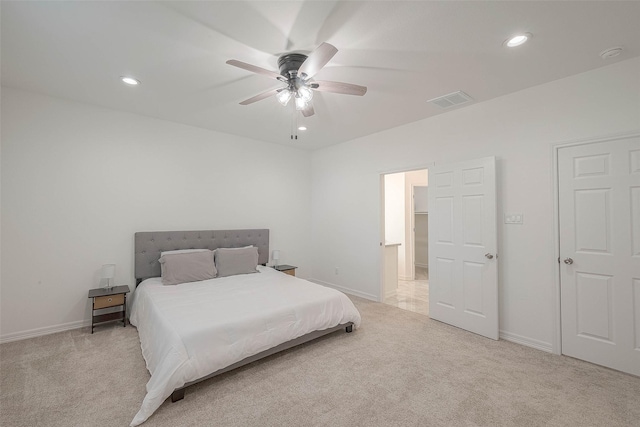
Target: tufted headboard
[149, 244]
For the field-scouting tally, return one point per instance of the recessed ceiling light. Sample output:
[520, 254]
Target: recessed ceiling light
[130, 81]
[517, 40]
[302, 128]
[611, 52]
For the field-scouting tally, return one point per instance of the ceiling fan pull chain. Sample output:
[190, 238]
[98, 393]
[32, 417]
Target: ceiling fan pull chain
[293, 122]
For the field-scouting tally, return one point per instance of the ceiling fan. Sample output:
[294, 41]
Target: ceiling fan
[297, 71]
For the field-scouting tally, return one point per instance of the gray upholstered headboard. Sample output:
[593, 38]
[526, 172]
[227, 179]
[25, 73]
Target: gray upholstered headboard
[149, 244]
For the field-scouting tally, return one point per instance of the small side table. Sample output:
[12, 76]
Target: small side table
[107, 298]
[286, 269]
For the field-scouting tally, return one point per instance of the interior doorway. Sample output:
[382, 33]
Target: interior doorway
[406, 279]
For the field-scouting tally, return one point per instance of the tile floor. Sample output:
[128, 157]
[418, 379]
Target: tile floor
[412, 295]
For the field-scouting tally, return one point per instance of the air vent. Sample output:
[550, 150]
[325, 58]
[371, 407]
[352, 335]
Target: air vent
[451, 99]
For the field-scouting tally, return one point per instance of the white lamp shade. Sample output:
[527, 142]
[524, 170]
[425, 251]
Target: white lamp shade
[276, 255]
[300, 103]
[305, 93]
[108, 271]
[284, 96]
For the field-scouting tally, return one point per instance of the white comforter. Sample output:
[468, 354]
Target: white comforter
[190, 330]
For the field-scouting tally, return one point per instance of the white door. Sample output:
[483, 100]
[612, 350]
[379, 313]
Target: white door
[463, 277]
[599, 207]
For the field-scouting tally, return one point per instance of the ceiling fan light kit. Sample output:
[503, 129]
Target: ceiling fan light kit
[297, 88]
[297, 71]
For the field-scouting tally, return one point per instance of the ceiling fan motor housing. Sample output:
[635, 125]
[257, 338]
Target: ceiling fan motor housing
[290, 62]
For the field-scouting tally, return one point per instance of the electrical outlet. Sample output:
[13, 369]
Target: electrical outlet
[337, 270]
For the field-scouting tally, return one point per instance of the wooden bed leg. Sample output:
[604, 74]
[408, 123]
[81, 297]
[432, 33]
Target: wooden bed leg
[177, 395]
[349, 329]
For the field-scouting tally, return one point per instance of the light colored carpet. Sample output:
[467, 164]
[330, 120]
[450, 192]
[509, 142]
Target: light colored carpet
[399, 369]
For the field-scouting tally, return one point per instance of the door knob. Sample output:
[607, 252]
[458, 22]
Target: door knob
[568, 261]
[488, 255]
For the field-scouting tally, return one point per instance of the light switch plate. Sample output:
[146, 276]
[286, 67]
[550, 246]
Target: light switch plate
[513, 218]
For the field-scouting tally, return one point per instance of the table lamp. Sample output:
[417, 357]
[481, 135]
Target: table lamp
[108, 272]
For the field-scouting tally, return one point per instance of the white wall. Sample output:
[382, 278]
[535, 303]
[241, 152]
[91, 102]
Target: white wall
[519, 130]
[78, 181]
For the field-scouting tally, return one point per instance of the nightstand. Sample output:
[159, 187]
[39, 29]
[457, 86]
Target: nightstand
[287, 269]
[108, 298]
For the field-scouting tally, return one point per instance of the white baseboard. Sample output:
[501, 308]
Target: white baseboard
[529, 342]
[346, 290]
[47, 330]
[405, 278]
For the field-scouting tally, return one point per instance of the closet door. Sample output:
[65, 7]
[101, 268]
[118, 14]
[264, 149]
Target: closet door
[599, 218]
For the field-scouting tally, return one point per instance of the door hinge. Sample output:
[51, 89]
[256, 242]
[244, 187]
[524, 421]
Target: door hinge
[558, 260]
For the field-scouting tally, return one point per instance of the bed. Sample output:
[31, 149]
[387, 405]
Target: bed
[193, 331]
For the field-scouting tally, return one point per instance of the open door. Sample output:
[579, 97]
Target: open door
[463, 265]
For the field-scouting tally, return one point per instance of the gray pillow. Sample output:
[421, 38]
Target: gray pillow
[179, 251]
[232, 261]
[187, 267]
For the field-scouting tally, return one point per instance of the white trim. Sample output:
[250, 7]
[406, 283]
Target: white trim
[346, 290]
[557, 330]
[556, 317]
[381, 237]
[47, 330]
[406, 168]
[406, 278]
[412, 234]
[529, 342]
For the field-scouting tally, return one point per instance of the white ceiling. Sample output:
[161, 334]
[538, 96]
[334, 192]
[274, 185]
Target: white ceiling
[404, 52]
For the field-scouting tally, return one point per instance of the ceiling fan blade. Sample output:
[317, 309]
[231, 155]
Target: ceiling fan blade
[260, 97]
[339, 87]
[254, 69]
[316, 60]
[308, 111]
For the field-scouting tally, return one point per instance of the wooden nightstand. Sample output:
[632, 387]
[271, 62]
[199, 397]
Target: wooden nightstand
[287, 269]
[108, 298]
